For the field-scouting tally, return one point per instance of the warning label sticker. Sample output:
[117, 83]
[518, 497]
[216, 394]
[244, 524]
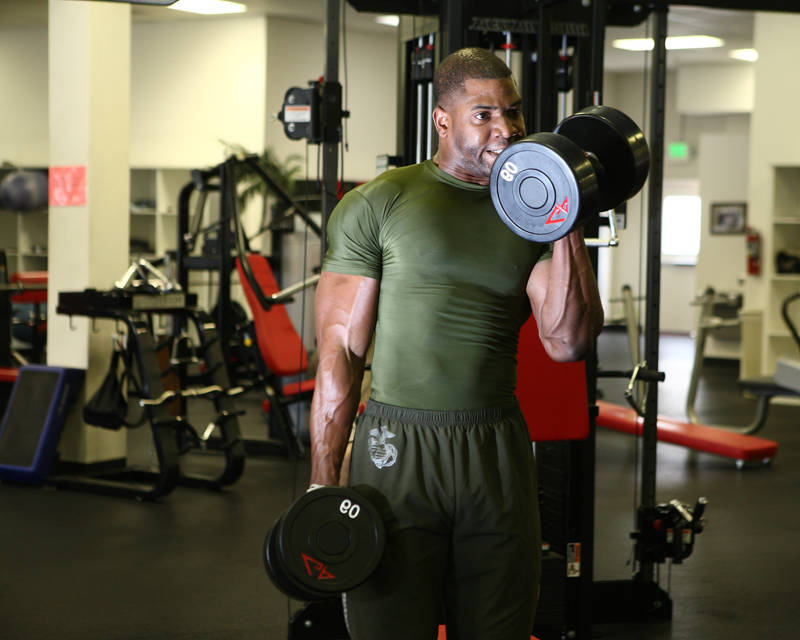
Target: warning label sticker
[573, 559]
[297, 113]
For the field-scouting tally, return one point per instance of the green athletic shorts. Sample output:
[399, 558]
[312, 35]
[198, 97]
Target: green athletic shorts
[457, 491]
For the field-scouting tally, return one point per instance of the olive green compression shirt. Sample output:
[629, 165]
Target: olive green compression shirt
[452, 286]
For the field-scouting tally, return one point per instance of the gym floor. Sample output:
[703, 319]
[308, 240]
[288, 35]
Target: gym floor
[76, 565]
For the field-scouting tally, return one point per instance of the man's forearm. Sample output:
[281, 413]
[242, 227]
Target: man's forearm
[333, 409]
[571, 315]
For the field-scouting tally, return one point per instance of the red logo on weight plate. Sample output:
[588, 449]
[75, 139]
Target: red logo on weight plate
[559, 213]
[315, 567]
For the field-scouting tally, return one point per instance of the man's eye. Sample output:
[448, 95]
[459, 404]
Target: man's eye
[513, 113]
[482, 115]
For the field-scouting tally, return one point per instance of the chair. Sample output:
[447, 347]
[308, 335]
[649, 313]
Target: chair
[282, 355]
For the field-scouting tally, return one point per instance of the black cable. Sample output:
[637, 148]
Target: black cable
[346, 83]
[642, 218]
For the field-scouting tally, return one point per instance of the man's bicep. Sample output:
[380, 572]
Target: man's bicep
[346, 309]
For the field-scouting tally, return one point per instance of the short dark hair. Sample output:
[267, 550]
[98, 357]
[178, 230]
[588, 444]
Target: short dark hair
[471, 62]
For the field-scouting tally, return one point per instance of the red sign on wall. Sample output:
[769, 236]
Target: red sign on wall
[67, 186]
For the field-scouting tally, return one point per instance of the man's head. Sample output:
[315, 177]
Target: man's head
[477, 113]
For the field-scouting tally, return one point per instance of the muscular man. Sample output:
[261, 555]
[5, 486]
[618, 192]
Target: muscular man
[419, 257]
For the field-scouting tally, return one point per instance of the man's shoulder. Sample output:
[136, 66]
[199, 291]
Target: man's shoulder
[393, 182]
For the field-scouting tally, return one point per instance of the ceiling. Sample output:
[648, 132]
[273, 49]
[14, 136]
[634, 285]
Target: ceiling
[734, 27]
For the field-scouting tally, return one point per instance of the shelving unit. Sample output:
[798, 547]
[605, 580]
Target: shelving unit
[154, 202]
[785, 236]
[23, 234]
[153, 221]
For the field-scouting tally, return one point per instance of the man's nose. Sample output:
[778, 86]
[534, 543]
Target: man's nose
[506, 127]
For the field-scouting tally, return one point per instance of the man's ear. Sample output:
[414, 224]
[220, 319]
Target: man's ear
[441, 120]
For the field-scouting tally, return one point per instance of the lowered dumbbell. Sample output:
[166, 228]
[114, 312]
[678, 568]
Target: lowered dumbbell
[328, 541]
[547, 183]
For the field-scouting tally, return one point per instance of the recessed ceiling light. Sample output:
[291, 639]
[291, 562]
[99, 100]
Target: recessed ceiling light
[748, 55]
[673, 42]
[208, 7]
[391, 21]
[693, 42]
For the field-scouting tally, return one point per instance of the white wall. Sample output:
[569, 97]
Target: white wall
[703, 89]
[195, 83]
[23, 97]
[723, 161]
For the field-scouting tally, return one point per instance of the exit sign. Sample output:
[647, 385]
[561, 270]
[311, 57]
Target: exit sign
[678, 150]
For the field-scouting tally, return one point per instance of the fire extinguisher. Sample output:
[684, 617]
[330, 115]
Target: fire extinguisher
[753, 252]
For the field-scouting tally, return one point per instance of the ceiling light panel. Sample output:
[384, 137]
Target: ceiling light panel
[208, 7]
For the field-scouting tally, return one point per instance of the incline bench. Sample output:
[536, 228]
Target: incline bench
[699, 437]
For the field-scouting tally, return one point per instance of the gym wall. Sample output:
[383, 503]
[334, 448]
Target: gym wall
[23, 98]
[196, 82]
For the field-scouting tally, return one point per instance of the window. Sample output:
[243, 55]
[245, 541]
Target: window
[680, 229]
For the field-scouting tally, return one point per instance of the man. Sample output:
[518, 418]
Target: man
[419, 256]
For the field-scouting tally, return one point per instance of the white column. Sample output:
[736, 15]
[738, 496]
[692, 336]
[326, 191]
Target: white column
[89, 95]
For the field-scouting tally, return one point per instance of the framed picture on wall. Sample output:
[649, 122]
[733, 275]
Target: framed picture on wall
[728, 218]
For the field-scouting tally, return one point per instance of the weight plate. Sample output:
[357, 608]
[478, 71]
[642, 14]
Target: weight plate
[277, 573]
[330, 540]
[541, 186]
[619, 146]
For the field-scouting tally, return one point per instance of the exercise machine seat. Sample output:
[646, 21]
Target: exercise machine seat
[278, 341]
[699, 437]
[552, 395]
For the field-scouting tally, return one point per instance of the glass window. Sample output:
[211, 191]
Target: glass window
[680, 229]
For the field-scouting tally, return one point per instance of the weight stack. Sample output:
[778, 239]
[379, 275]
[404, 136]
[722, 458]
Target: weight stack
[33, 419]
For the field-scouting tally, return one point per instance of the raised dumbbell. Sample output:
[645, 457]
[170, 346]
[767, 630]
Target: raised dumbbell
[547, 183]
[328, 541]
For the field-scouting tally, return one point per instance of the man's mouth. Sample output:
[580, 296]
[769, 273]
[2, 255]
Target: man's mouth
[493, 153]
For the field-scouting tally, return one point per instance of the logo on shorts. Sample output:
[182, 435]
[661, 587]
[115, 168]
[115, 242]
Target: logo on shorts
[381, 453]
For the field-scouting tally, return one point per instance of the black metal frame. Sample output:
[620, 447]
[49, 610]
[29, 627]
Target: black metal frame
[166, 428]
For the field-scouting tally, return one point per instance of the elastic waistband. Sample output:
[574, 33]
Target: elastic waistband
[446, 417]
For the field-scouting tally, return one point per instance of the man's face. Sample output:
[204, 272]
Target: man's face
[483, 119]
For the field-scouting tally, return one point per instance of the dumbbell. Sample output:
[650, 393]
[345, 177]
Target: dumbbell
[547, 183]
[327, 542]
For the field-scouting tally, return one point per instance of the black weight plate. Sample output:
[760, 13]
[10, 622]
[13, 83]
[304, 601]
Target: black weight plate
[541, 186]
[277, 573]
[330, 540]
[619, 146]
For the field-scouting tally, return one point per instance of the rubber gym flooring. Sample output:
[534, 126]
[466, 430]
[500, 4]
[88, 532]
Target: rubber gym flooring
[90, 567]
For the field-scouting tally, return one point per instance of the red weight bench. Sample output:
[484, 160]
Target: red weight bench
[699, 437]
[36, 296]
[27, 279]
[282, 353]
[8, 375]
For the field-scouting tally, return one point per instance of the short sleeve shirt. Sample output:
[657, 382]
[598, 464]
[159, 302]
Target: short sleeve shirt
[452, 286]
